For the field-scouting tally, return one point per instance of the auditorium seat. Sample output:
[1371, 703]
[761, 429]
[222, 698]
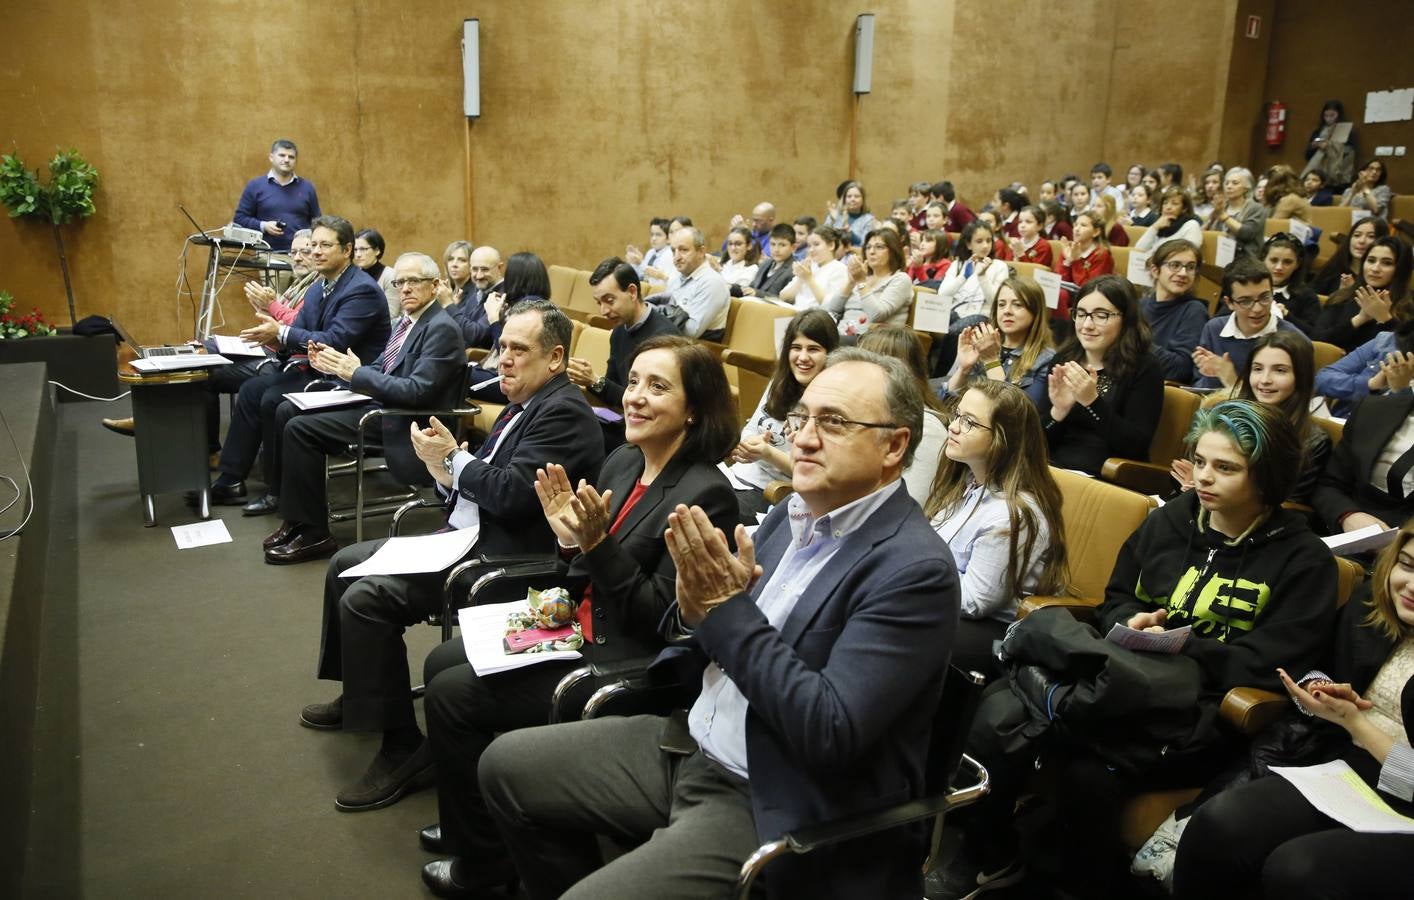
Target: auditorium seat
[1121, 257]
[592, 345]
[1276, 226]
[1098, 519]
[1325, 354]
[1334, 222]
[561, 284]
[579, 304]
[751, 374]
[1151, 476]
[1134, 232]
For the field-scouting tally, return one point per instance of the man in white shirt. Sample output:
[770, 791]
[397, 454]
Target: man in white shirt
[819, 671]
[702, 294]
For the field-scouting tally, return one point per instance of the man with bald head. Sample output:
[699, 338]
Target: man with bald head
[469, 312]
[820, 648]
[763, 219]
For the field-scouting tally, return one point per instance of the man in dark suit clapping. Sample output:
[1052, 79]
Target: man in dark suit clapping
[423, 366]
[345, 308]
[547, 421]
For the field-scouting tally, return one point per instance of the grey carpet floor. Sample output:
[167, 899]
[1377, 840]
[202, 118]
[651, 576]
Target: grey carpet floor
[169, 758]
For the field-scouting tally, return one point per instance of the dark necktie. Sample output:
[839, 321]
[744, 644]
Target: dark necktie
[389, 359]
[1401, 467]
[485, 450]
[506, 415]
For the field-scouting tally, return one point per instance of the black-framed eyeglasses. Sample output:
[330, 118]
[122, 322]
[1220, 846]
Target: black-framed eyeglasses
[399, 283]
[1176, 267]
[829, 424]
[1098, 316]
[965, 423]
[1249, 302]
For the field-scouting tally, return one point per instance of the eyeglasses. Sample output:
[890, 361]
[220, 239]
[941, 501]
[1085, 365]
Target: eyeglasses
[322, 245]
[1099, 316]
[829, 424]
[1249, 302]
[1176, 267]
[299, 251]
[966, 423]
[400, 283]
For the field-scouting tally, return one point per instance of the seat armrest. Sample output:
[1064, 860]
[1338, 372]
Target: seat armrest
[1083, 608]
[758, 364]
[477, 354]
[420, 503]
[321, 384]
[601, 323]
[816, 837]
[777, 491]
[1250, 709]
[1144, 477]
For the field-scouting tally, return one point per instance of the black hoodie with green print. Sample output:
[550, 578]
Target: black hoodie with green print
[1265, 600]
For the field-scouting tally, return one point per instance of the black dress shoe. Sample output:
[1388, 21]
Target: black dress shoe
[301, 548]
[483, 877]
[324, 716]
[280, 535]
[430, 838]
[226, 494]
[387, 779]
[261, 506]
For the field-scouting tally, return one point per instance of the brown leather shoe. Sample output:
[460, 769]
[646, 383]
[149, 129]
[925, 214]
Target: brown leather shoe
[300, 549]
[280, 535]
[120, 426]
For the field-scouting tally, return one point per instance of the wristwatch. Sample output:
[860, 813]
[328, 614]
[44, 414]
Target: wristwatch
[447, 460]
[597, 388]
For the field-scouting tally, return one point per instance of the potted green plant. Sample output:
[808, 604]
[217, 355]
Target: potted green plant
[68, 196]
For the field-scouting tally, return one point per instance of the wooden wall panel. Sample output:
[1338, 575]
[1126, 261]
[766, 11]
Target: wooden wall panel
[595, 117]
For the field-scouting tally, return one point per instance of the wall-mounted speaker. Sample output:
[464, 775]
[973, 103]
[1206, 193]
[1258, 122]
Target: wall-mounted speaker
[471, 67]
[863, 52]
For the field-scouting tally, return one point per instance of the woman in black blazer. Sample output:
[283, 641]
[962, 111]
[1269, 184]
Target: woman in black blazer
[679, 423]
[1264, 838]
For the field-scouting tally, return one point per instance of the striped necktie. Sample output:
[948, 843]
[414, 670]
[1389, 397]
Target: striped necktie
[507, 414]
[389, 359]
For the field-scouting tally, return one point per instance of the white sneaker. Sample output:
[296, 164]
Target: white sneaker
[1155, 859]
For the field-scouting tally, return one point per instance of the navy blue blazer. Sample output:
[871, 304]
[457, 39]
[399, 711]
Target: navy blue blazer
[470, 314]
[557, 426]
[430, 374]
[353, 317]
[842, 697]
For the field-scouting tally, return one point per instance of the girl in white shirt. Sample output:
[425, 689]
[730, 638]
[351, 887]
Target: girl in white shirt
[973, 278]
[901, 342]
[996, 505]
[739, 260]
[820, 277]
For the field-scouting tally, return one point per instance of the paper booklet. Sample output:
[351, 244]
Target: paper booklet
[325, 399]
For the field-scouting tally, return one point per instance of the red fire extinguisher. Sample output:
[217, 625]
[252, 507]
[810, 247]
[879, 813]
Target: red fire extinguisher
[1276, 123]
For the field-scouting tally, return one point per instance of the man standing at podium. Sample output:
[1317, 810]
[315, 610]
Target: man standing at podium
[278, 203]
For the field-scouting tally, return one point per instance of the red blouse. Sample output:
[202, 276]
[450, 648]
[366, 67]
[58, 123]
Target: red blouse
[584, 613]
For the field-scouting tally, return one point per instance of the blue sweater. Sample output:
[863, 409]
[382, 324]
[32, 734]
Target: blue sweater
[1237, 348]
[1175, 325]
[263, 200]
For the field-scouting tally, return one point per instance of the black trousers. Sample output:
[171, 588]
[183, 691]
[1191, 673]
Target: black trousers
[972, 649]
[362, 645]
[464, 713]
[306, 441]
[228, 380]
[253, 422]
[1263, 839]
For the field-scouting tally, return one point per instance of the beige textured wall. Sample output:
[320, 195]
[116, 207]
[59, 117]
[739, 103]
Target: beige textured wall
[594, 116]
